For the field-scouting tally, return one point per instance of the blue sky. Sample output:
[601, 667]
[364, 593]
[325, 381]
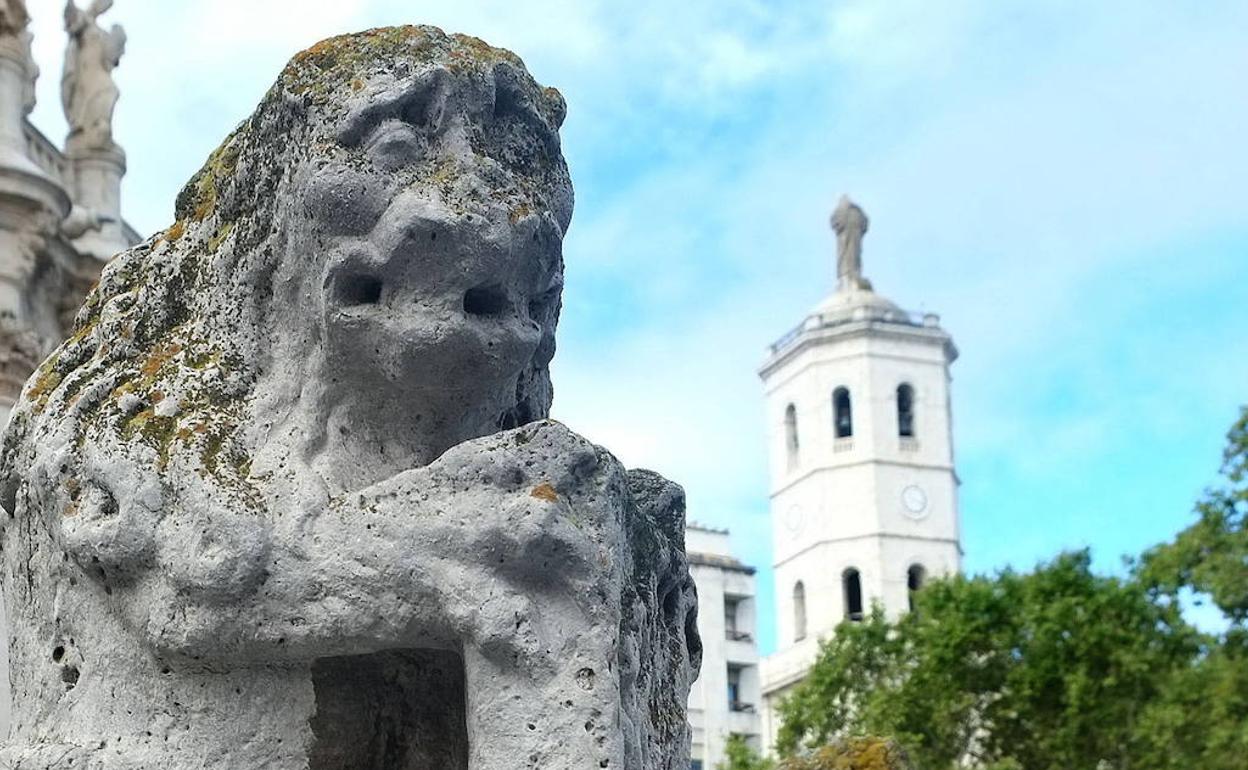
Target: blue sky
[1066, 183]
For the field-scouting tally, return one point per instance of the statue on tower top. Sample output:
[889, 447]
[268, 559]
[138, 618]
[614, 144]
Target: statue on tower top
[850, 223]
[88, 92]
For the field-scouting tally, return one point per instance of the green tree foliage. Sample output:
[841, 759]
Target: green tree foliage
[1048, 669]
[856, 753]
[1202, 718]
[863, 753]
[1211, 556]
[1055, 668]
[739, 756]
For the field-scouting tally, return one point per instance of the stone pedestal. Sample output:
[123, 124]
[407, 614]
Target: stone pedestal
[97, 173]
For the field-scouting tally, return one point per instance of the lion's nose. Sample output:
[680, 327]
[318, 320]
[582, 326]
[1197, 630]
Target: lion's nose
[487, 300]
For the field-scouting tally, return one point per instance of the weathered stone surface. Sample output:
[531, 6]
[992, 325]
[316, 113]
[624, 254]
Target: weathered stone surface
[287, 497]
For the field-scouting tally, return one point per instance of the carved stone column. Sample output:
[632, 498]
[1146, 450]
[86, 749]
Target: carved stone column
[14, 71]
[20, 174]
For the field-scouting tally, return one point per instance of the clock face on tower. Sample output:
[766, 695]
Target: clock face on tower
[914, 501]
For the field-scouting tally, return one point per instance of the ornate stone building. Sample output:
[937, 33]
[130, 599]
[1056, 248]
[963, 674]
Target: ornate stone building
[864, 500]
[60, 208]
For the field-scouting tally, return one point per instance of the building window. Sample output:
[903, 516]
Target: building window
[732, 622]
[734, 690]
[799, 612]
[916, 576]
[843, 417]
[790, 434]
[695, 764]
[852, 583]
[905, 410]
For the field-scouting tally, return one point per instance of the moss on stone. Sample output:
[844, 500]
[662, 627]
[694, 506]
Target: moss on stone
[46, 380]
[158, 358]
[219, 237]
[198, 199]
[337, 61]
[206, 197]
[203, 357]
[136, 422]
[860, 753]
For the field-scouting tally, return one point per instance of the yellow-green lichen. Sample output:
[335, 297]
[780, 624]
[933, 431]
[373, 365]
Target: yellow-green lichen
[158, 358]
[219, 237]
[46, 380]
[338, 61]
[204, 187]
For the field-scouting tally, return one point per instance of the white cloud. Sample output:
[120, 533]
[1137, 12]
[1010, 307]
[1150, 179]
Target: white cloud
[897, 41]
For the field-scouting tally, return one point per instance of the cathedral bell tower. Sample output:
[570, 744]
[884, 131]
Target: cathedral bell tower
[864, 503]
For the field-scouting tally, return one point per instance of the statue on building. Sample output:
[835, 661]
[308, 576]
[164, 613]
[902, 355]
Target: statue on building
[14, 34]
[89, 96]
[17, 84]
[32, 75]
[288, 496]
[88, 92]
[13, 17]
[850, 223]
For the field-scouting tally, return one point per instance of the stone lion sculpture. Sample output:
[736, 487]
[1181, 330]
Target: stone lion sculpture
[287, 498]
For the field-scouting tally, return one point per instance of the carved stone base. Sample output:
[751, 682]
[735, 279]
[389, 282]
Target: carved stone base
[97, 187]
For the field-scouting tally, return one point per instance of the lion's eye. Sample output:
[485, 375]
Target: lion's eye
[344, 201]
[394, 144]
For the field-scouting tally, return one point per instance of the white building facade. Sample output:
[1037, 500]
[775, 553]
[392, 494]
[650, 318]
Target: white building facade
[864, 503]
[726, 697]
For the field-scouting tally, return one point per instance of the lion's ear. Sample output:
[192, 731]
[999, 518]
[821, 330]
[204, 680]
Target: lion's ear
[556, 107]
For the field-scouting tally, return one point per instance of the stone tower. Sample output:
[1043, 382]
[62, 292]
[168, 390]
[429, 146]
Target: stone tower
[863, 489]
